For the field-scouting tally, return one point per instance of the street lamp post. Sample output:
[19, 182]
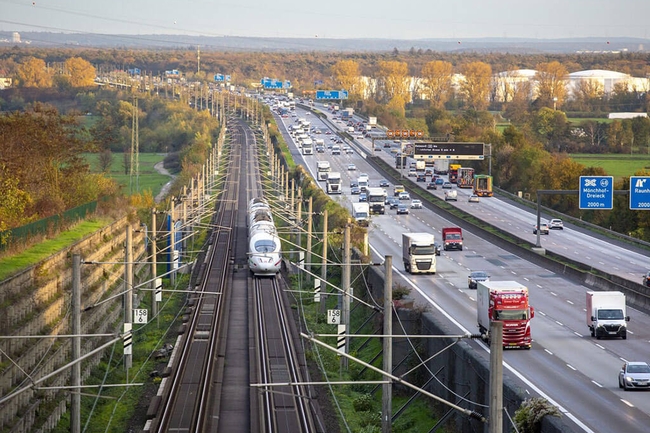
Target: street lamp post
[555, 103]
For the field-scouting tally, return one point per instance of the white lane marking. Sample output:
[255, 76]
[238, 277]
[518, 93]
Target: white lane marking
[505, 364]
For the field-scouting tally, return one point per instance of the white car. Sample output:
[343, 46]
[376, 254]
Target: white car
[556, 223]
[352, 167]
[404, 196]
[473, 198]
[416, 204]
[543, 229]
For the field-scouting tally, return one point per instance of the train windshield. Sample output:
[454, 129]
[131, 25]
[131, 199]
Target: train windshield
[265, 246]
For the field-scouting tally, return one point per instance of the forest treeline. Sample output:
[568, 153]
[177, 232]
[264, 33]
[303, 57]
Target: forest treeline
[528, 138]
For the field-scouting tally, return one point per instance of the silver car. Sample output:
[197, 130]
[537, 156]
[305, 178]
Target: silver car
[556, 223]
[634, 375]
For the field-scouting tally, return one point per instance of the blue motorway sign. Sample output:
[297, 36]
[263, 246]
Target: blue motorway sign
[596, 192]
[218, 77]
[272, 83]
[331, 94]
[640, 192]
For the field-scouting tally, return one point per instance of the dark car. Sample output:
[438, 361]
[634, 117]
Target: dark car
[392, 202]
[402, 209]
[355, 190]
[437, 248]
[475, 277]
[440, 181]
[363, 197]
[432, 185]
[384, 183]
[354, 183]
[320, 149]
[421, 177]
[646, 279]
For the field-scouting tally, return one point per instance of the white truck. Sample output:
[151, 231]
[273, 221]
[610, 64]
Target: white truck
[361, 213]
[441, 166]
[372, 120]
[606, 314]
[419, 253]
[334, 183]
[376, 200]
[323, 168]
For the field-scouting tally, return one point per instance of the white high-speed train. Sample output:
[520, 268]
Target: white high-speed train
[264, 254]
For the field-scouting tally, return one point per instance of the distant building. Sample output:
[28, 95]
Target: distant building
[15, 37]
[5, 83]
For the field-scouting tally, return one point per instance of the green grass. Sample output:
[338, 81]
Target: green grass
[149, 178]
[578, 120]
[12, 264]
[616, 165]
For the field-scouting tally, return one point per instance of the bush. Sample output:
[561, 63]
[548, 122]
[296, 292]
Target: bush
[363, 403]
[528, 418]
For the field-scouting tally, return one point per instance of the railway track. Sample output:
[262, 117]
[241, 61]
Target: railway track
[223, 352]
[283, 399]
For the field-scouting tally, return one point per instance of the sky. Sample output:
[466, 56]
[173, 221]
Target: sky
[401, 19]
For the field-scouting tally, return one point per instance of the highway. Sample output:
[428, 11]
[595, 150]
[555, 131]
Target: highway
[573, 370]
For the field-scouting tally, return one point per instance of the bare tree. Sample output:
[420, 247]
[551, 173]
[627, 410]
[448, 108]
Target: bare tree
[105, 160]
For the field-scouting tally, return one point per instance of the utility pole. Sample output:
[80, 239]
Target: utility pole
[345, 286]
[387, 391]
[323, 269]
[154, 272]
[496, 377]
[172, 243]
[298, 226]
[128, 295]
[75, 406]
[309, 229]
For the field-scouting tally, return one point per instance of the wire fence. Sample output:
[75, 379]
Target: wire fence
[45, 226]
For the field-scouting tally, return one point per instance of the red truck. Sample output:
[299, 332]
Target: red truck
[507, 302]
[452, 238]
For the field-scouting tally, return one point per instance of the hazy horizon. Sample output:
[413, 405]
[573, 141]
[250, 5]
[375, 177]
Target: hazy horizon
[336, 19]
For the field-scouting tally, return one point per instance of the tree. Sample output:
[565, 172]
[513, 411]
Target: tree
[81, 72]
[475, 87]
[551, 84]
[34, 73]
[42, 151]
[436, 82]
[394, 83]
[105, 160]
[528, 418]
[346, 74]
[13, 204]
[551, 126]
[588, 94]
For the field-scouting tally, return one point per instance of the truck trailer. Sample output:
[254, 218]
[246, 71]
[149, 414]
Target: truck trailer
[606, 314]
[419, 253]
[507, 302]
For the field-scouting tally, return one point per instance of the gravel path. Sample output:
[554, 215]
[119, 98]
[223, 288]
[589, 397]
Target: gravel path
[165, 189]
